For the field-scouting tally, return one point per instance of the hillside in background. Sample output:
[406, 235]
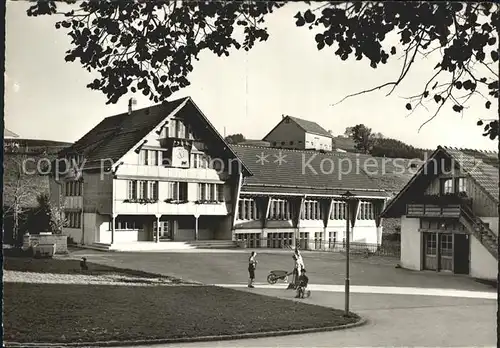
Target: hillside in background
[344, 143]
[34, 146]
[383, 147]
[393, 148]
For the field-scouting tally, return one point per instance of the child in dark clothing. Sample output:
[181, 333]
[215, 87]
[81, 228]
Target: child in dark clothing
[252, 265]
[303, 282]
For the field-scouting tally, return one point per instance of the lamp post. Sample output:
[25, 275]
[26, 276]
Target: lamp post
[347, 196]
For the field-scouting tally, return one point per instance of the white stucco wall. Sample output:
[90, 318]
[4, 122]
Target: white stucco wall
[318, 142]
[411, 253]
[482, 264]
[90, 226]
[365, 231]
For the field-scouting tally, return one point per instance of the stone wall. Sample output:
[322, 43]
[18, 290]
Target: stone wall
[61, 241]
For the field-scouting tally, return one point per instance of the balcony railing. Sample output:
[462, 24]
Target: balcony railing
[432, 210]
[448, 205]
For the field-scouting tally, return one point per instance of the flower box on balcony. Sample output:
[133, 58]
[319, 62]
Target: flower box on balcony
[141, 200]
[175, 201]
[206, 201]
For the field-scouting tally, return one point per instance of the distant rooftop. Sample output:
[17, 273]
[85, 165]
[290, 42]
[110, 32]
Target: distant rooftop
[310, 126]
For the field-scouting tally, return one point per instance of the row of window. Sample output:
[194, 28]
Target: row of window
[311, 211]
[283, 142]
[178, 191]
[453, 185]
[148, 157]
[446, 244]
[142, 189]
[177, 129]
[73, 188]
[73, 219]
[125, 224]
[211, 192]
[338, 211]
[280, 209]
[365, 211]
[248, 209]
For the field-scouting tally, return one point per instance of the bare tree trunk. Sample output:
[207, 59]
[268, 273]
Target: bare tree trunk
[15, 228]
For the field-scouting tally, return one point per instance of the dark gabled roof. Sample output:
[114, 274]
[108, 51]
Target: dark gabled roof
[294, 176]
[394, 173]
[307, 126]
[481, 166]
[310, 126]
[114, 136]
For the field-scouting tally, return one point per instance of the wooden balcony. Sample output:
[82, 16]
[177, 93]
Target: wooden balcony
[433, 210]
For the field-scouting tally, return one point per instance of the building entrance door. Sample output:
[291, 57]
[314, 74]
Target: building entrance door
[166, 230]
[461, 254]
[430, 251]
[446, 252]
[438, 251]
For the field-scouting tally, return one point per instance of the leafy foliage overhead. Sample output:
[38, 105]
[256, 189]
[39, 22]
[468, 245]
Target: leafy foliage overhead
[149, 46]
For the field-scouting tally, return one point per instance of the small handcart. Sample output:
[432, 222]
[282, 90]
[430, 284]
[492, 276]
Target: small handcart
[276, 275]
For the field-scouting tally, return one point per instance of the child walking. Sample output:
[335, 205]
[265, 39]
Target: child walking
[252, 265]
[303, 282]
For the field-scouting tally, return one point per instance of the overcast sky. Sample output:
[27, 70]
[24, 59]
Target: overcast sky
[247, 93]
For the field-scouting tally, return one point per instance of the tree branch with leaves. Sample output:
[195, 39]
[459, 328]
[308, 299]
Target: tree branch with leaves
[150, 46]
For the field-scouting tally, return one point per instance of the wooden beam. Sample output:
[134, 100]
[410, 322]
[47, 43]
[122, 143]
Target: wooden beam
[328, 210]
[239, 183]
[266, 204]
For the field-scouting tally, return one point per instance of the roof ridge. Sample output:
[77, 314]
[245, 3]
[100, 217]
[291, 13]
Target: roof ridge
[148, 107]
[323, 153]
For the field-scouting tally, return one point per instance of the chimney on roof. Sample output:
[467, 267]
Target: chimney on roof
[131, 102]
[283, 116]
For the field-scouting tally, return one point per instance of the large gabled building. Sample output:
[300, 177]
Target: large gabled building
[449, 214]
[297, 196]
[146, 176]
[297, 133]
[164, 174]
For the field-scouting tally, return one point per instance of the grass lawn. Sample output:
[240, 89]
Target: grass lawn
[67, 266]
[86, 313]
[70, 313]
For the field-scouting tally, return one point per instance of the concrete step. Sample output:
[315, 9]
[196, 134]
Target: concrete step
[152, 246]
[140, 246]
[98, 246]
[213, 244]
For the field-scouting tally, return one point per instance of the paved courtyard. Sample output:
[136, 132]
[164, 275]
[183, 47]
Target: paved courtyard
[224, 267]
[397, 319]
